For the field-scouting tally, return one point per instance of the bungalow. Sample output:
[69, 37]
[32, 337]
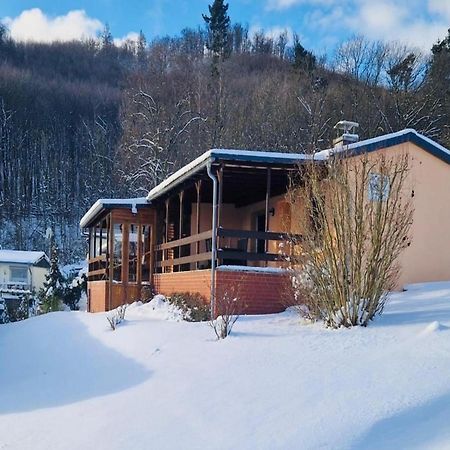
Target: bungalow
[21, 272]
[225, 214]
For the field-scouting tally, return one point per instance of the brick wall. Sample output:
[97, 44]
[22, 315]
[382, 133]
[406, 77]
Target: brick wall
[193, 281]
[258, 292]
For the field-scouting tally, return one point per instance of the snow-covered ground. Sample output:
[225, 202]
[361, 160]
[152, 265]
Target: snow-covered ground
[68, 382]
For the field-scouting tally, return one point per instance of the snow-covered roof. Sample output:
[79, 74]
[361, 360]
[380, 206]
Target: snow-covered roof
[249, 156]
[108, 203]
[21, 257]
[265, 157]
[388, 140]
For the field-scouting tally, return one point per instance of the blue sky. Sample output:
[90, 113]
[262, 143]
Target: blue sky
[322, 24]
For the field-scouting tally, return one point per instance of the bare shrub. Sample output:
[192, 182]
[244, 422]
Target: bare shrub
[117, 316]
[228, 307]
[356, 222]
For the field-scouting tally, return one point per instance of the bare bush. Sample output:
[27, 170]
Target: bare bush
[228, 307]
[117, 317]
[355, 217]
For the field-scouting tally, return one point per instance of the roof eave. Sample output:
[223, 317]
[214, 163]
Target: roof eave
[102, 205]
[221, 155]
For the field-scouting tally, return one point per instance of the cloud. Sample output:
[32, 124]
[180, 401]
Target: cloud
[272, 32]
[440, 7]
[132, 36]
[286, 4]
[400, 20]
[412, 22]
[34, 25]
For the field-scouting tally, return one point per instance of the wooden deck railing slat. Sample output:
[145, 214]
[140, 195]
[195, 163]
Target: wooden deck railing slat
[251, 234]
[249, 256]
[95, 273]
[185, 260]
[97, 259]
[184, 241]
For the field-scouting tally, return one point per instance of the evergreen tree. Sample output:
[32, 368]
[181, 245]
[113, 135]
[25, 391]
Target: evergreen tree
[3, 33]
[442, 46]
[439, 79]
[141, 51]
[302, 58]
[218, 25]
[4, 317]
[106, 37]
[52, 295]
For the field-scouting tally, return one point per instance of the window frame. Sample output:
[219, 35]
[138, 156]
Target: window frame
[15, 280]
[379, 187]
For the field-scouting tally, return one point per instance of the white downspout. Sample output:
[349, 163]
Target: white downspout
[214, 238]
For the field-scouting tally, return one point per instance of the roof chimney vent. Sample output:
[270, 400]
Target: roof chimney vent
[345, 133]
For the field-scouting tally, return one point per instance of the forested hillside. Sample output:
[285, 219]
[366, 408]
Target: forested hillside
[84, 120]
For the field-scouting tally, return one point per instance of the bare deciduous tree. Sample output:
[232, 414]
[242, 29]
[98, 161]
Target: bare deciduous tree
[152, 134]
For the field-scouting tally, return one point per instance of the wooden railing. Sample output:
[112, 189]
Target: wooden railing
[234, 254]
[224, 252]
[98, 269]
[161, 250]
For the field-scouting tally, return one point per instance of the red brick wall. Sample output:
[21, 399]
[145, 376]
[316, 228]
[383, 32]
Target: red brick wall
[193, 281]
[258, 292]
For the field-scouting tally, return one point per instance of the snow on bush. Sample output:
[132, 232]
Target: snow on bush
[157, 308]
[117, 316]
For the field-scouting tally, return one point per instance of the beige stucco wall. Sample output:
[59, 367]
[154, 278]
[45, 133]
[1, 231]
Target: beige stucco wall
[36, 275]
[428, 256]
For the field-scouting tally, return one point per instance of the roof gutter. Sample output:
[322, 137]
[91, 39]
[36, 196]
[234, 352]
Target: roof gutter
[214, 241]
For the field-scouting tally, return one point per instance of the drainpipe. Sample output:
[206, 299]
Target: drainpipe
[214, 238]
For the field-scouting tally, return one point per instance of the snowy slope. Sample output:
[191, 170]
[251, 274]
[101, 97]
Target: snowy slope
[68, 382]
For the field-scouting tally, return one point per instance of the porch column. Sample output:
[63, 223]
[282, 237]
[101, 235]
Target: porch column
[125, 259]
[198, 185]
[180, 226]
[110, 258]
[220, 199]
[165, 252]
[140, 243]
[266, 226]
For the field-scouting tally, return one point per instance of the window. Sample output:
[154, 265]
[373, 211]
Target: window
[117, 252]
[132, 255]
[379, 187]
[19, 274]
[146, 252]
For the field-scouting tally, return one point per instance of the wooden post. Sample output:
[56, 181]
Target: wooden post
[140, 242]
[164, 252]
[198, 185]
[266, 226]
[152, 247]
[125, 259]
[220, 199]
[180, 226]
[111, 259]
[167, 220]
